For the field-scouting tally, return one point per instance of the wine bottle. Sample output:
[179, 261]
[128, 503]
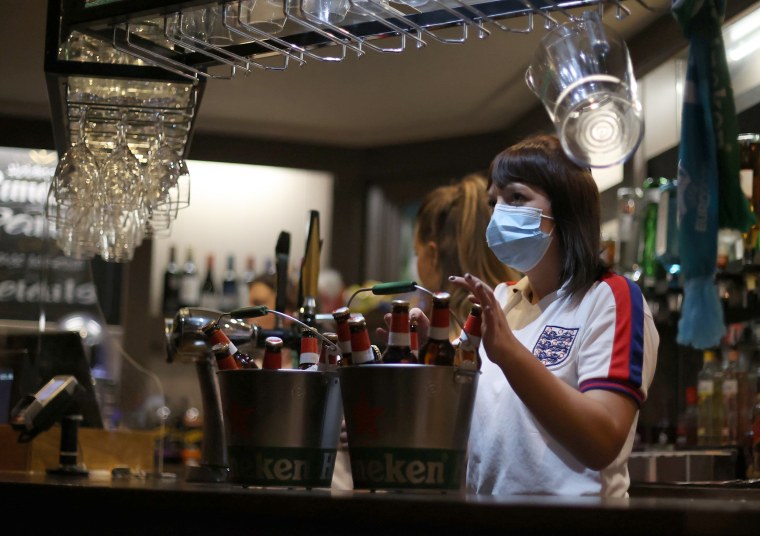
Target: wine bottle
[208, 290]
[246, 280]
[399, 348]
[438, 350]
[172, 281]
[230, 292]
[189, 290]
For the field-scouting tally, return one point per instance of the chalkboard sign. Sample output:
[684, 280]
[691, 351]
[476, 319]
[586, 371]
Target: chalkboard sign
[35, 277]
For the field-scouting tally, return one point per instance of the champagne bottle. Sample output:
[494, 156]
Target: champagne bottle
[208, 290]
[189, 290]
[361, 348]
[438, 350]
[468, 356]
[308, 357]
[172, 281]
[342, 315]
[230, 293]
[272, 353]
[399, 348]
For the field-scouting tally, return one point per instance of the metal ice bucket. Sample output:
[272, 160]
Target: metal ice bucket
[281, 426]
[408, 425]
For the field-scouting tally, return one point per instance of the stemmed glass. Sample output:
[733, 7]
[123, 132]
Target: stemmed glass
[122, 196]
[73, 198]
[121, 173]
[76, 174]
[164, 184]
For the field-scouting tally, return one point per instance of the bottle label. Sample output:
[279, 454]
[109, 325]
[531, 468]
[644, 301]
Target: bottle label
[705, 388]
[398, 339]
[439, 333]
[405, 468]
[261, 466]
[730, 387]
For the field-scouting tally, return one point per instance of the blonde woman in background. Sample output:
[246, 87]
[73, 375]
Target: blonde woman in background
[450, 238]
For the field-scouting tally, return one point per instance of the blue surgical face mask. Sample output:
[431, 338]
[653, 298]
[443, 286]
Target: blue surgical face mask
[514, 235]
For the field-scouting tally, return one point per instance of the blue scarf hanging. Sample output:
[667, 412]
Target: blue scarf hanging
[709, 194]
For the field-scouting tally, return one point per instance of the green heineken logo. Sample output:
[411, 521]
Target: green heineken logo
[262, 466]
[376, 468]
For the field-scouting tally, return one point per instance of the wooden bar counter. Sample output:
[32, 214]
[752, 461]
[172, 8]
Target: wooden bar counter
[100, 503]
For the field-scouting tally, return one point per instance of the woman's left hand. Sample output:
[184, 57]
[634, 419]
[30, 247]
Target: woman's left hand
[496, 335]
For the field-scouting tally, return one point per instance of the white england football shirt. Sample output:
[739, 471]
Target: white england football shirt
[607, 341]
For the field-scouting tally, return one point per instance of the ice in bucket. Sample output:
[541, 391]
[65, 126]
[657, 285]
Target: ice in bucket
[408, 425]
[281, 426]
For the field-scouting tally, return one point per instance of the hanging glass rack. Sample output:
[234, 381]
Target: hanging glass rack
[148, 56]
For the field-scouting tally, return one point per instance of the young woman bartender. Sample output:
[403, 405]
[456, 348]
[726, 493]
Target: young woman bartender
[568, 352]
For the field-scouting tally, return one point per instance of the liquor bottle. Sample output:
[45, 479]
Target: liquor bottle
[224, 358]
[730, 393]
[215, 335]
[208, 290]
[308, 357]
[399, 348]
[330, 355]
[342, 315]
[230, 293]
[361, 348]
[272, 353]
[468, 355]
[414, 340]
[688, 421]
[629, 209]
[438, 350]
[653, 271]
[190, 286]
[749, 174]
[172, 281]
[708, 392]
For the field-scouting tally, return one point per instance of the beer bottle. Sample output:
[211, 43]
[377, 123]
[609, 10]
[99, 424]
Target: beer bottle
[330, 355]
[361, 348]
[438, 350]
[224, 358]
[308, 357]
[414, 341]
[399, 341]
[215, 335]
[272, 353]
[342, 316]
[469, 340]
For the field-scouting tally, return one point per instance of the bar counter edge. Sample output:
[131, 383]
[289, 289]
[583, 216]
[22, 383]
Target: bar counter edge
[100, 504]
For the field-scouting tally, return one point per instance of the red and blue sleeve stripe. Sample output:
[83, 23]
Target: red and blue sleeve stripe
[627, 360]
